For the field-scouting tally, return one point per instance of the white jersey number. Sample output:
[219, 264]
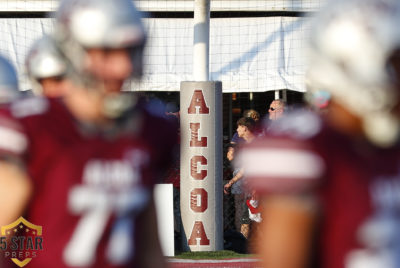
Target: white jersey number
[96, 207]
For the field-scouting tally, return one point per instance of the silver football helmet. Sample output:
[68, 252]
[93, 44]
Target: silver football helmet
[351, 42]
[9, 88]
[83, 24]
[44, 60]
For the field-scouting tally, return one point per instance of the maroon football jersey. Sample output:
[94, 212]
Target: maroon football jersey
[90, 185]
[357, 185]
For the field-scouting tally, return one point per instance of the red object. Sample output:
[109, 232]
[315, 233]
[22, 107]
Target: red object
[253, 210]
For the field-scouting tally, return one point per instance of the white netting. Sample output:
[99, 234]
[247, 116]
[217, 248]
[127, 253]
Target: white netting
[251, 49]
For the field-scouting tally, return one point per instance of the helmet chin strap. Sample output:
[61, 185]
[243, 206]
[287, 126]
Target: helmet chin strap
[116, 104]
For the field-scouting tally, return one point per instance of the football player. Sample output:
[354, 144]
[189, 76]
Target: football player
[8, 82]
[331, 184]
[9, 91]
[46, 68]
[83, 166]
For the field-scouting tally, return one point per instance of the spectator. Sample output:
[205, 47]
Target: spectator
[276, 109]
[252, 114]
[247, 113]
[330, 189]
[87, 162]
[245, 130]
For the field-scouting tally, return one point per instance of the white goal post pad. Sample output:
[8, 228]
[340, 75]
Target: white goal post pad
[201, 165]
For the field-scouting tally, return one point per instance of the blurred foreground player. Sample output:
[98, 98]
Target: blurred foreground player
[9, 91]
[8, 82]
[46, 68]
[331, 186]
[88, 161]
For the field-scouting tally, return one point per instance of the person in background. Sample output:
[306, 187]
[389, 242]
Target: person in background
[237, 191]
[46, 68]
[246, 128]
[252, 114]
[276, 109]
[84, 166]
[247, 113]
[331, 187]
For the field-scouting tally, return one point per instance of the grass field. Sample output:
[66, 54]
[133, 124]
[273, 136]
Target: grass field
[213, 259]
[213, 255]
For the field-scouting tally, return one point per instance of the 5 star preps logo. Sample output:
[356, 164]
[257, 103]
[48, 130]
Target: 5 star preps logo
[20, 241]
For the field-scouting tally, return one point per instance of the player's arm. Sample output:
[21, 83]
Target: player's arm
[149, 251]
[287, 231]
[15, 191]
[15, 186]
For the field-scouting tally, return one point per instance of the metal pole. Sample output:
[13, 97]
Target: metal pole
[201, 145]
[230, 117]
[276, 94]
[284, 94]
[201, 40]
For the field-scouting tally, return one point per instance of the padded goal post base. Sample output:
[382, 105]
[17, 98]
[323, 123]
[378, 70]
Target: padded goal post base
[201, 165]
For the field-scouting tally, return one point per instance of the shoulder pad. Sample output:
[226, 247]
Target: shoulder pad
[29, 106]
[299, 124]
